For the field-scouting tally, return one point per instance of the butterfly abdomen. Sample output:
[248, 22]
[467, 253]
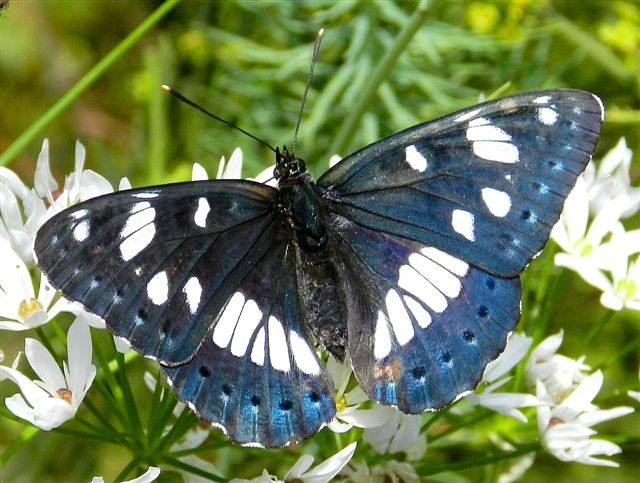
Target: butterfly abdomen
[322, 289]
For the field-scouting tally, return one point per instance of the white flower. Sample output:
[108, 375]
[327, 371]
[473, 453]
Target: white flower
[500, 402]
[565, 426]
[150, 475]
[390, 472]
[21, 213]
[622, 287]
[566, 413]
[81, 185]
[348, 405]
[611, 183]
[20, 309]
[23, 210]
[600, 251]
[55, 398]
[322, 473]
[233, 170]
[558, 373]
[580, 239]
[400, 433]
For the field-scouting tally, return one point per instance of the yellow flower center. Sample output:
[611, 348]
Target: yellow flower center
[626, 289]
[341, 403]
[29, 307]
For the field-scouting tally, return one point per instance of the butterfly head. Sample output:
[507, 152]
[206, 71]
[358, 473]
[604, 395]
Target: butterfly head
[288, 168]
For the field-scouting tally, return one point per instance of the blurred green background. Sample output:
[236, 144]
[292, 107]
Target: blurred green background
[247, 62]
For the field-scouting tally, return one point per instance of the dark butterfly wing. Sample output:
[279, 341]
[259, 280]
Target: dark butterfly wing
[485, 184]
[437, 222]
[158, 264]
[256, 375]
[426, 323]
[198, 275]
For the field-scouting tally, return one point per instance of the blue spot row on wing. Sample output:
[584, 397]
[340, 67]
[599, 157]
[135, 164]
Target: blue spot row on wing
[253, 404]
[448, 358]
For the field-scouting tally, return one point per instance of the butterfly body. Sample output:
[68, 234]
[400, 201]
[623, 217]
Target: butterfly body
[405, 255]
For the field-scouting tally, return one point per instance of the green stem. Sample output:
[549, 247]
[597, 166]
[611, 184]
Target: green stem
[85, 82]
[432, 469]
[379, 75]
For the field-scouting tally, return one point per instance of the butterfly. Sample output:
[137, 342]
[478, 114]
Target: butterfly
[405, 255]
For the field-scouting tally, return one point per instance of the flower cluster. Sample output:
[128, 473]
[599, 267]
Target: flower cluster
[56, 396]
[601, 250]
[566, 413]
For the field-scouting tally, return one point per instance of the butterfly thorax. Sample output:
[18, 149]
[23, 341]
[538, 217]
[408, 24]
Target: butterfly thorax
[299, 202]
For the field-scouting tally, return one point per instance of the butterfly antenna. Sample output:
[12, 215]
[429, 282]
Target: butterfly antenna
[188, 101]
[316, 50]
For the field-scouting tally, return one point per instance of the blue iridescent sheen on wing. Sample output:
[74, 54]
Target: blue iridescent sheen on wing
[485, 184]
[427, 323]
[266, 386]
[187, 238]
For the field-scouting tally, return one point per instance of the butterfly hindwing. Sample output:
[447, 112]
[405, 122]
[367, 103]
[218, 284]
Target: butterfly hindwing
[257, 374]
[159, 263]
[485, 184]
[427, 323]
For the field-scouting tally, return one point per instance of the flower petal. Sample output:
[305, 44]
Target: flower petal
[44, 365]
[52, 412]
[328, 469]
[29, 389]
[81, 371]
[43, 181]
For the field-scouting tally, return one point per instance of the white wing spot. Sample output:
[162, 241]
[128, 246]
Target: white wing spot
[81, 231]
[542, 100]
[382, 338]
[200, 218]
[467, 115]
[547, 116]
[451, 263]
[303, 356]
[463, 222]
[193, 292]
[138, 231]
[481, 130]
[158, 288]
[257, 352]
[419, 312]
[415, 159]
[417, 285]
[227, 321]
[441, 278]
[245, 327]
[498, 202]
[76, 215]
[491, 142]
[145, 195]
[278, 351]
[497, 151]
[399, 318]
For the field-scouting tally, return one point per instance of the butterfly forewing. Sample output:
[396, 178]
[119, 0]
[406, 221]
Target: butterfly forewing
[485, 184]
[257, 375]
[158, 264]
